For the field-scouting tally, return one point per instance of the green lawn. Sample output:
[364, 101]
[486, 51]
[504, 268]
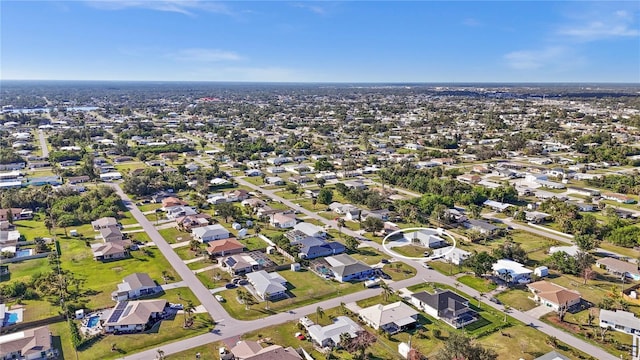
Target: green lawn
[172, 234]
[446, 269]
[185, 253]
[369, 255]
[517, 299]
[149, 207]
[410, 250]
[254, 243]
[304, 287]
[399, 271]
[207, 278]
[479, 284]
[207, 352]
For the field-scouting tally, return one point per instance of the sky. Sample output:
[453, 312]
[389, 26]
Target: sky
[321, 41]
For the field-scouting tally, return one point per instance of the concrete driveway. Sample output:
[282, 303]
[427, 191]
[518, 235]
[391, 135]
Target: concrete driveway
[539, 311]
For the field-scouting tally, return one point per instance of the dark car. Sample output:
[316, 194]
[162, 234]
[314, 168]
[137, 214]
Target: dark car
[494, 300]
[243, 282]
[231, 286]
[384, 261]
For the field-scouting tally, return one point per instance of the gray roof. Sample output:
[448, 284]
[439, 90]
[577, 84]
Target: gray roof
[267, 283]
[554, 355]
[442, 300]
[139, 280]
[341, 325]
[619, 317]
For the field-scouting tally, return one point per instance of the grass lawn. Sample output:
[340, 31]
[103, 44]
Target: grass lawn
[207, 352]
[446, 269]
[369, 255]
[199, 264]
[254, 243]
[399, 271]
[634, 254]
[517, 299]
[479, 284]
[24, 270]
[166, 331]
[172, 234]
[208, 280]
[410, 250]
[529, 241]
[185, 253]
[102, 278]
[149, 207]
[35, 228]
[304, 288]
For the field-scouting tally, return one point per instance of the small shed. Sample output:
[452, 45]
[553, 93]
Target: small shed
[79, 314]
[73, 232]
[236, 226]
[249, 223]
[295, 267]
[271, 249]
[541, 271]
[242, 233]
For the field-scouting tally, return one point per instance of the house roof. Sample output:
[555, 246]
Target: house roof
[139, 280]
[283, 218]
[618, 265]
[105, 222]
[251, 350]
[27, 342]
[341, 325]
[619, 317]
[513, 267]
[398, 313]
[267, 283]
[210, 230]
[553, 355]
[134, 312]
[110, 232]
[481, 224]
[442, 300]
[109, 248]
[228, 244]
[308, 228]
[553, 293]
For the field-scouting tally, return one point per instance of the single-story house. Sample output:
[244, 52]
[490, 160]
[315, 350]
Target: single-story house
[110, 234]
[237, 195]
[135, 286]
[512, 271]
[391, 318]
[210, 233]
[78, 179]
[225, 247]
[554, 296]
[619, 267]
[310, 230]
[480, 226]
[111, 250]
[455, 255]
[621, 198]
[111, 175]
[345, 268]
[536, 217]
[170, 201]
[240, 264]
[103, 223]
[252, 350]
[497, 205]
[619, 320]
[134, 316]
[330, 335]
[283, 221]
[16, 214]
[552, 355]
[446, 306]
[312, 247]
[428, 238]
[175, 212]
[268, 286]
[192, 221]
[28, 344]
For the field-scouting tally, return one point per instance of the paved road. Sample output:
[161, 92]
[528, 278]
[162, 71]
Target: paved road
[43, 144]
[227, 327]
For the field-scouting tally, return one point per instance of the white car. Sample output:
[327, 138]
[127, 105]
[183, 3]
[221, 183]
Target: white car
[219, 298]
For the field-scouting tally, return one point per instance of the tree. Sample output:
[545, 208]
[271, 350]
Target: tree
[586, 242]
[160, 355]
[189, 308]
[292, 188]
[319, 314]
[460, 346]
[314, 201]
[351, 243]
[194, 245]
[474, 210]
[321, 182]
[360, 343]
[227, 210]
[480, 263]
[341, 224]
[372, 224]
[325, 196]
[257, 228]
[386, 291]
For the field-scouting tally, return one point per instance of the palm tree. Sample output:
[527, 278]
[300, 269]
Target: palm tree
[258, 229]
[341, 224]
[188, 310]
[160, 355]
[386, 291]
[319, 313]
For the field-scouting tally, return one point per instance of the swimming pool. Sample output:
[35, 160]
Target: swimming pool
[93, 321]
[11, 318]
[23, 252]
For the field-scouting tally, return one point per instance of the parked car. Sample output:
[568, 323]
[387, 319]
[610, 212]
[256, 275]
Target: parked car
[176, 306]
[243, 282]
[384, 261]
[231, 286]
[494, 300]
[219, 298]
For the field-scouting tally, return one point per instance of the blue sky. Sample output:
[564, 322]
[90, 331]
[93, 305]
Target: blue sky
[321, 41]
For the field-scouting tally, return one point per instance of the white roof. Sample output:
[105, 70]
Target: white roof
[398, 313]
[510, 266]
[267, 283]
[341, 325]
[308, 228]
[624, 318]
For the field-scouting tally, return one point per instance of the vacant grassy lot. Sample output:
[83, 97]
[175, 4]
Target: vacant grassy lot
[304, 288]
[369, 255]
[446, 269]
[173, 235]
[410, 250]
[214, 278]
[517, 299]
[482, 285]
[254, 243]
[399, 271]
[207, 352]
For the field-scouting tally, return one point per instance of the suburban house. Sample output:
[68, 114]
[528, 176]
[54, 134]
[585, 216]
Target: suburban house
[105, 222]
[497, 205]
[78, 179]
[225, 247]
[240, 264]
[252, 350]
[312, 247]
[310, 230]
[175, 212]
[346, 268]
[16, 214]
[480, 226]
[451, 254]
[511, 271]
[282, 221]
[536, 217]
[426, 237]
[9, 240]
[28, 344]
[446, 306]
[134, 316]
[619, 320]
[554, 296]
[268, 286]
[237, 195]
[210, 233]
[552, 355]
[329, 336]
[112, 250]
[111, 234]
[192, 221]
[391, 318]
[619, 267]
[169, 202]
[621, 198]
[134, 286]
[582, 191]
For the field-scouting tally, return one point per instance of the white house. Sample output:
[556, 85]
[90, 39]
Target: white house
[310, 230]
[329, 336]
[391, 318]
[619, 320]
[135, 286]
[512, 271]
[268, 286]
[210, 233]
[282, 221]
[134, 316]
[554, 296]
[426, 237]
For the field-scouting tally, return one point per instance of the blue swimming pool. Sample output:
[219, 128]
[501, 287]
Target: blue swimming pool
[23, 253]
[11, 318]
[93, 321]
